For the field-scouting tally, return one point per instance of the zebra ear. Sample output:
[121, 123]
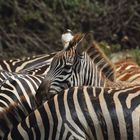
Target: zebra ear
[75, 41]
[84, 43]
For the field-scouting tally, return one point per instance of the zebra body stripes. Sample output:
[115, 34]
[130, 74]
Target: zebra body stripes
[128, 70]
[106, 72]
[36, 69]
[18, 86]
[84, 113]
[4, 75]
[105, 75]
[28, 63]
[75, 67]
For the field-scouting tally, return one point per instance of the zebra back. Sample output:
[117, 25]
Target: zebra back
[17, 65]
[40, 69]
[86, 113]
[128, 70]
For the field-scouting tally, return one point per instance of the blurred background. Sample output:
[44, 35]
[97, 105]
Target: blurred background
[30, 27]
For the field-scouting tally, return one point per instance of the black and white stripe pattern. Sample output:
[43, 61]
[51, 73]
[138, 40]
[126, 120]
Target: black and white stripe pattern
[128, 70]
[35, 65]
[84, 113]
[16, 96]
[22, 85]
[27, 63]
[18, 86]
[66, 116]
[74, 67]
[4, 75]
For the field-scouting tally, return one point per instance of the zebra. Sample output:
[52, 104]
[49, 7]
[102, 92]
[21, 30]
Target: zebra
[128, 70]
[82, 113]
[4, 75]
[34, 65]
[27, 63]
[77, 67]
[37, 69]
[82, 59]
[17, 86]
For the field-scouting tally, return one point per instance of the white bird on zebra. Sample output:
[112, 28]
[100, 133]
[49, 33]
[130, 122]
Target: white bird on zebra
[66, 38]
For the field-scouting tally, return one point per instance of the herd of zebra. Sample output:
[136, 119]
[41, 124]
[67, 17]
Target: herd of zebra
[74, 94]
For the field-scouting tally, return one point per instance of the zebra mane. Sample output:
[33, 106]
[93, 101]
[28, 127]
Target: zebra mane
[103, 63]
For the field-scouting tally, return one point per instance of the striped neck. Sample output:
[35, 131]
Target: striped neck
[101, 61]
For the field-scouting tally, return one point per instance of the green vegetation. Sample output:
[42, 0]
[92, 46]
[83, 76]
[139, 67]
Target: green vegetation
[115, 49]
[136, 55]
[35, 27]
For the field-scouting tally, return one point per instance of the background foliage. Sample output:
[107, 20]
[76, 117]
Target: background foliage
[35, 26]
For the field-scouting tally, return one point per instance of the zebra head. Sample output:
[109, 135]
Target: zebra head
[81, 63]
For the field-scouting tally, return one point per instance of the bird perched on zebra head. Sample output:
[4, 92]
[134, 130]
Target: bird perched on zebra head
[66, 38]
